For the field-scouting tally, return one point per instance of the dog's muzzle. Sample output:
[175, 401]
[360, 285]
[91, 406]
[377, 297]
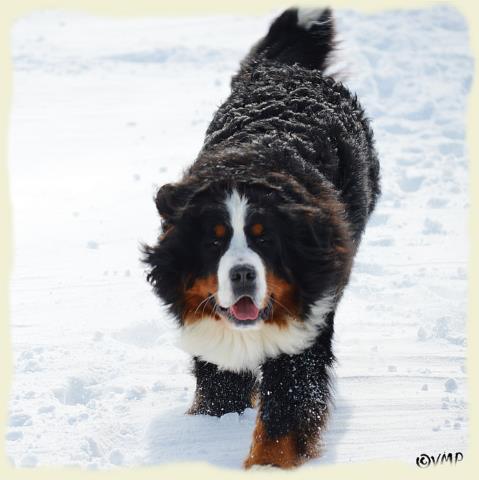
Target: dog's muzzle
[243, 281]
[244, 312]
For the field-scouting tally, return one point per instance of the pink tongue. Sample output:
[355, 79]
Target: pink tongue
[245, 309]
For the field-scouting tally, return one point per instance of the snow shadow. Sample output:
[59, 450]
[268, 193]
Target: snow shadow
[176, 437]
[338, 425]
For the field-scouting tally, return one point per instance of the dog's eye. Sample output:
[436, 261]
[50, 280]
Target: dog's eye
[262, 239]
[218, 235]
[258, 233]
[214, 243]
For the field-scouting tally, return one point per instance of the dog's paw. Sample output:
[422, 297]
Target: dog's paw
[281, 452]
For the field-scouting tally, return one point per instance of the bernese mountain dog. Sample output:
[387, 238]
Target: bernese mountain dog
[258, 238]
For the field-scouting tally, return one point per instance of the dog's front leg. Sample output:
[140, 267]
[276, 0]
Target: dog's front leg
[220, 391]
[294, 399]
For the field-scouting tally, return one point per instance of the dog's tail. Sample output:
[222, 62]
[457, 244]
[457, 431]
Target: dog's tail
[299, 35]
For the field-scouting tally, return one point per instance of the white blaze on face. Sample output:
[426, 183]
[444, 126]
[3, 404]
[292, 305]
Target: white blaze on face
[239, 253]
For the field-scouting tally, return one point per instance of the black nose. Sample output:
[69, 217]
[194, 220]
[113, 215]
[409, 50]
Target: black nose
[243, 276]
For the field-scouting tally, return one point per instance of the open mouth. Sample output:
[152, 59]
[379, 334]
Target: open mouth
[244, 309]
[244, 312]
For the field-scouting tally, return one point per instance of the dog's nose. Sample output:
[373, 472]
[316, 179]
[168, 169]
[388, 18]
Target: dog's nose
[243, 276]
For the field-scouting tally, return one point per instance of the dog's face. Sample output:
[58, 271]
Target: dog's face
[243, 296]
[244, 256]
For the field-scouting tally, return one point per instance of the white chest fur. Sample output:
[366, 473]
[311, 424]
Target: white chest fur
[237, 349]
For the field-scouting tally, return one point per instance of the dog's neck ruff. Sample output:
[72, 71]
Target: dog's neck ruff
[237, 350]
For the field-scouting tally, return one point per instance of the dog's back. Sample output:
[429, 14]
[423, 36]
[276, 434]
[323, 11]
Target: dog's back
[282, 102]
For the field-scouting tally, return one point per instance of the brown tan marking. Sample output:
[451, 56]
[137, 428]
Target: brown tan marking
[341, 250]
[220, 231]
[283, 295]
[257, 229]
[196, 305]
[166, 232]
[280, 452]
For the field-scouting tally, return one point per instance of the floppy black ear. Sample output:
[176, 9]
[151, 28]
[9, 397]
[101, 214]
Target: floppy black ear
[317, 234]
[171, 200]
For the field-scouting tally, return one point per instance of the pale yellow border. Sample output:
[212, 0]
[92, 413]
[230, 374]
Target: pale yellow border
[393, 470]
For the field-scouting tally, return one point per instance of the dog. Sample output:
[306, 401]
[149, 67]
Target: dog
[258, 238]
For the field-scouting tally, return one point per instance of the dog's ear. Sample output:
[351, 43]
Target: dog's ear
[172, 198]
[315, 231]
[327, 232]
[165, 201]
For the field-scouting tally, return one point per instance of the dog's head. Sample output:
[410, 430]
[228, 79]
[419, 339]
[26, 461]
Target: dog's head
[247, 254]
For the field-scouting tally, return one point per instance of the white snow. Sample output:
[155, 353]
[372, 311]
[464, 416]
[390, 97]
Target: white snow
[106, 110]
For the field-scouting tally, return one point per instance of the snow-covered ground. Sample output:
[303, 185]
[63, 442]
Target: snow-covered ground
[106, 110]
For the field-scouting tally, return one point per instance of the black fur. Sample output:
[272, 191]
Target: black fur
[295, 392]
[299, 146]
[288, 43]
[219, 391]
